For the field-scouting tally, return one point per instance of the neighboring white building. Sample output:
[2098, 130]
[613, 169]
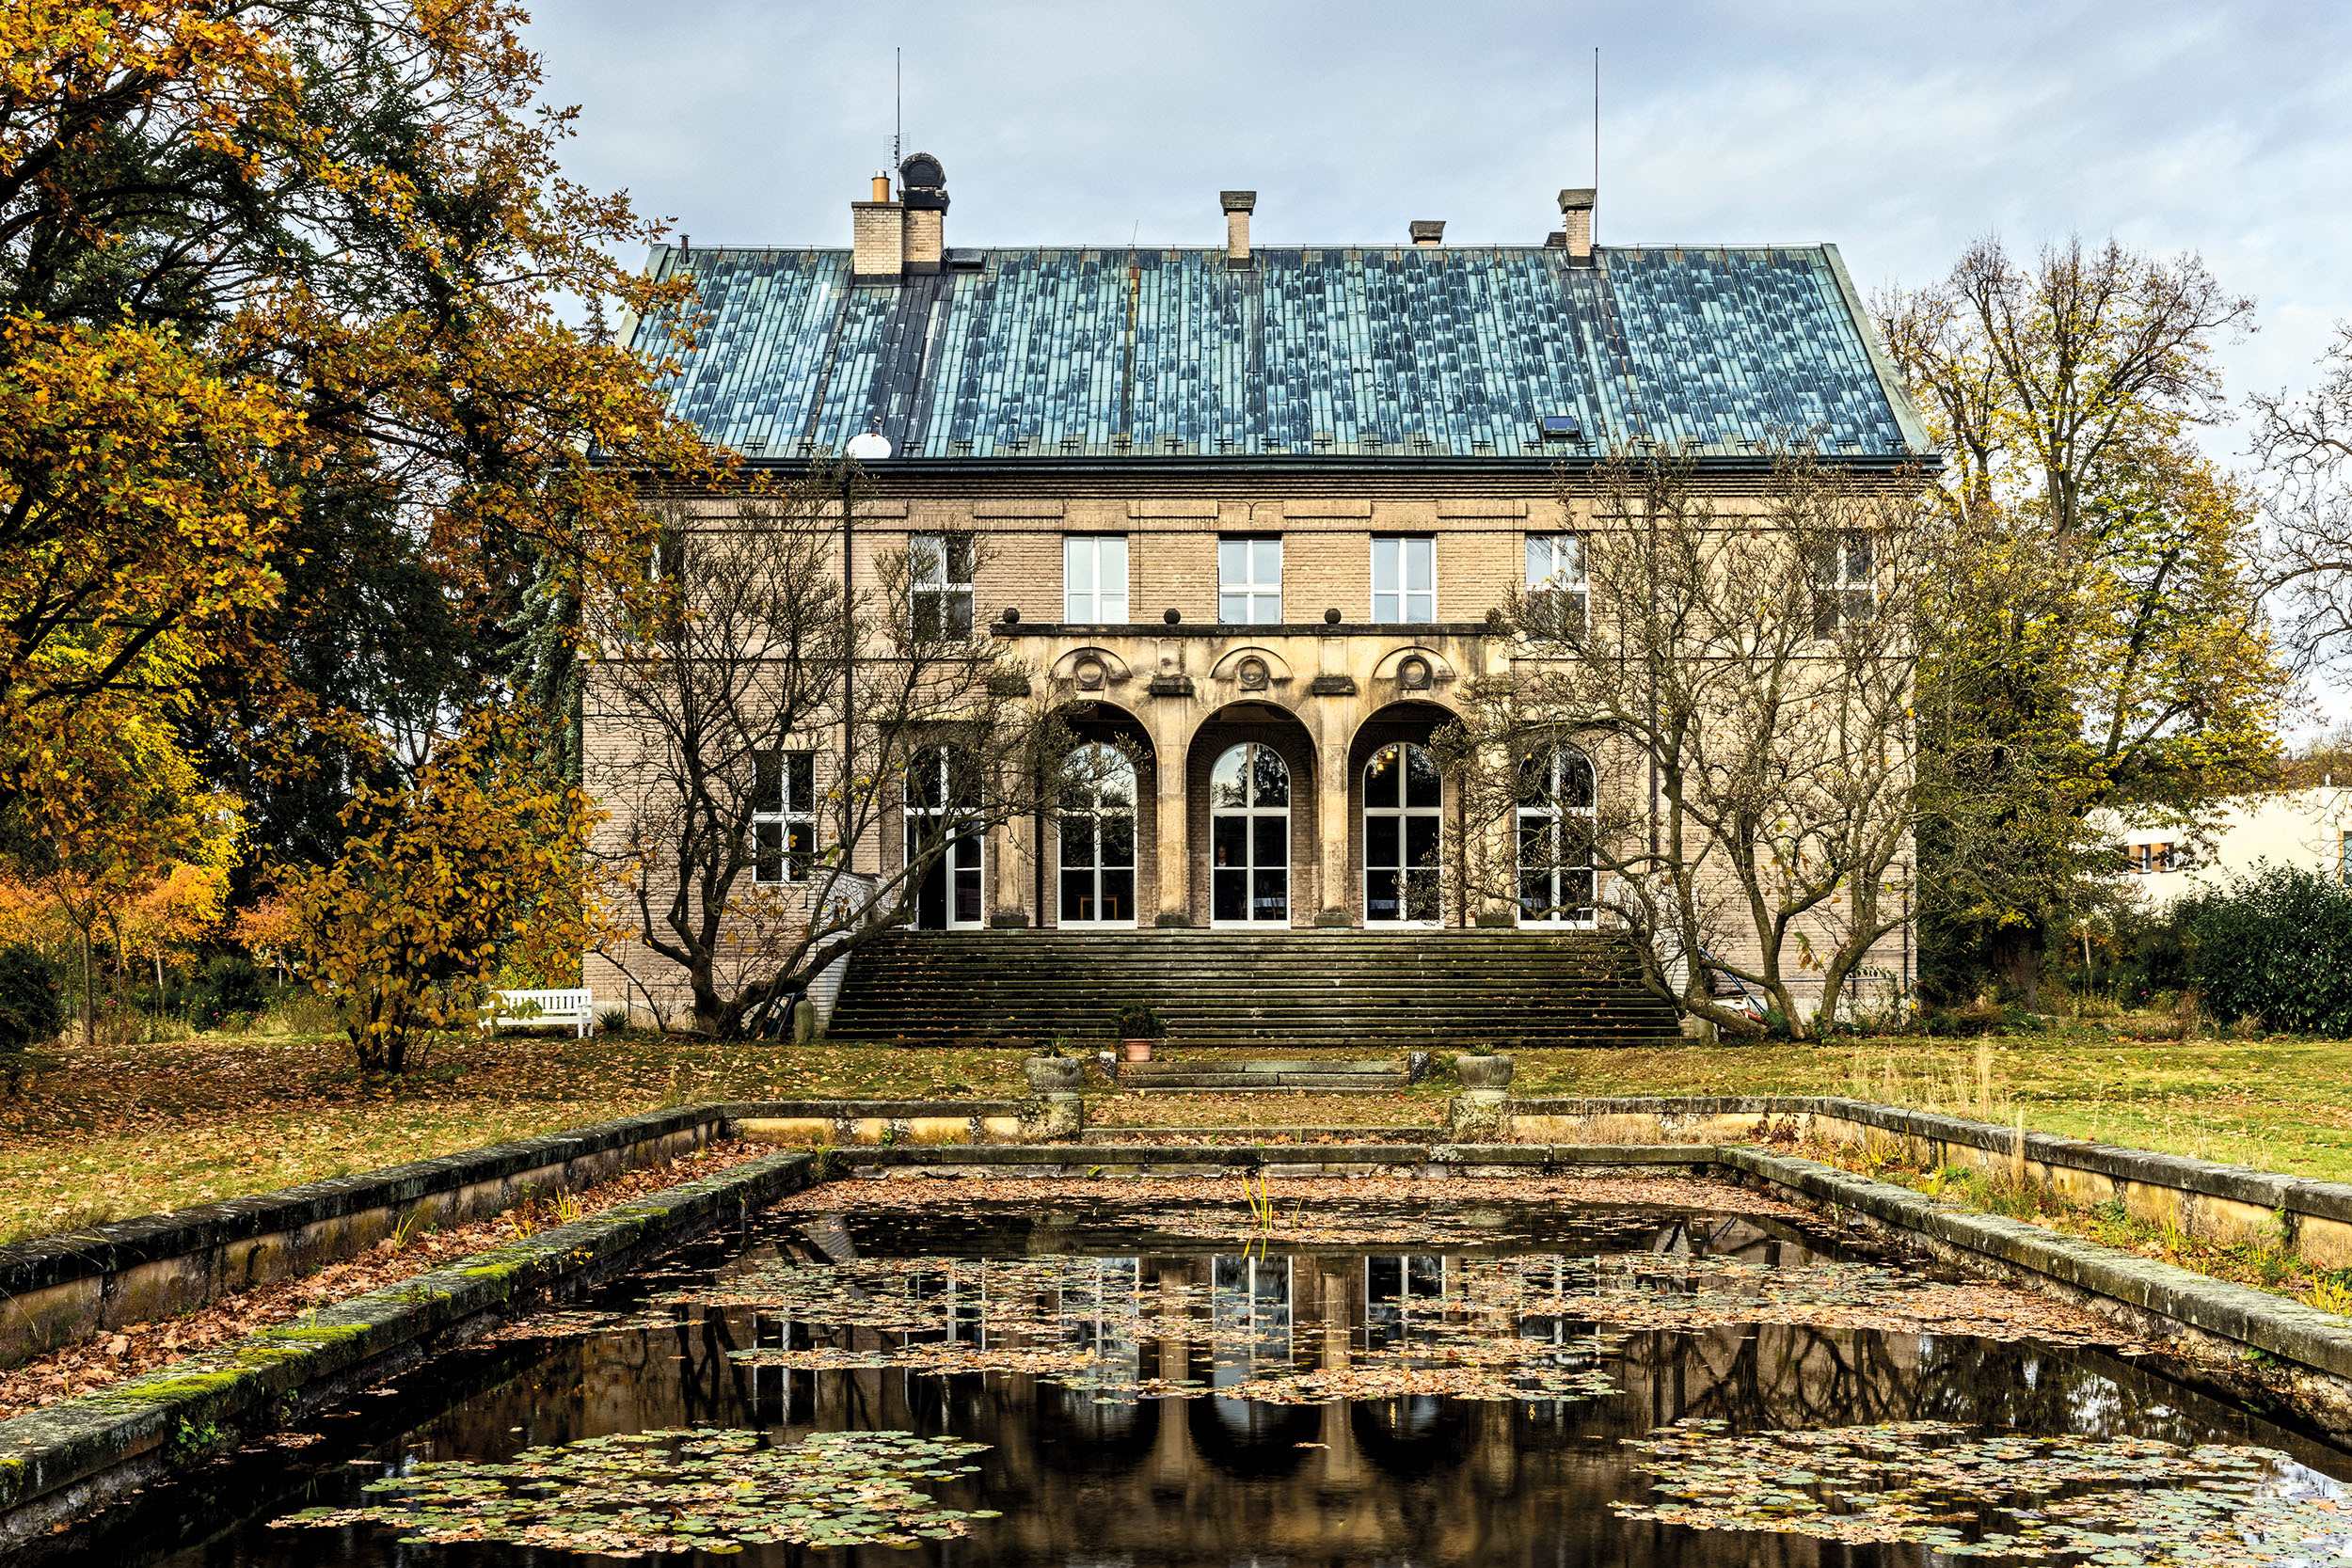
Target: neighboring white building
[2310, 828]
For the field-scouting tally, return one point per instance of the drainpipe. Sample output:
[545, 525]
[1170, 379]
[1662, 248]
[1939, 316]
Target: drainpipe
[848, 645]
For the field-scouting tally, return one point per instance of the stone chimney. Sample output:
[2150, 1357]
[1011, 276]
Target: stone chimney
[878, 237]
[924, 184]
[1429, 233]
[1238, 206]
[1576, 224]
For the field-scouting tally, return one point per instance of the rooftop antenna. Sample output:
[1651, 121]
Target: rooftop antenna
[898, 104]
[1596, 116]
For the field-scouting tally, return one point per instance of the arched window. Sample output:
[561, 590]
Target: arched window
[943, 803]
[1098, 839]
[1556, 825]
[1249, 838]
[1402, 795]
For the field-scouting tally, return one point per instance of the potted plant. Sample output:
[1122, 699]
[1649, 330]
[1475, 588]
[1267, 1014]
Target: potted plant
[1482, 1066]
[1053, 1071]
[1138, 1026]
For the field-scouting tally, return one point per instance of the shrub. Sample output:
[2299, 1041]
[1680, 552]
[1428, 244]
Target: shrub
[233, 988]
[31, 1010]
[2275, 946]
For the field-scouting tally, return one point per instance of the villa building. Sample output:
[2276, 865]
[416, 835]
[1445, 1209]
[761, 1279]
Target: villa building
[1253, 504]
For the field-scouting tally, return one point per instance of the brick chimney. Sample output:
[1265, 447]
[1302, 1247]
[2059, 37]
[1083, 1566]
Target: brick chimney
[924, 185]
[1238, 206]
[878, 237]
[1576, 224]
[1429, 233]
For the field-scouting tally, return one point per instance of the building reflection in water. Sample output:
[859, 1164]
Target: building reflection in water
[1088, 1476]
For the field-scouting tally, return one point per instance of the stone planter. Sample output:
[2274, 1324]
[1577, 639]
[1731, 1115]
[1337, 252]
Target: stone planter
[1056, 1074]
[1136, 1050]
[1492, 1072]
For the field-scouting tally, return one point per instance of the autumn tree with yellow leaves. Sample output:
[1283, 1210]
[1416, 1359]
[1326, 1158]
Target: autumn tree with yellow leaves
[476, 865]
[292, 421]
[2097, 642]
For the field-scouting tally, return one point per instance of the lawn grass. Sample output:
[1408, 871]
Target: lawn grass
[126, 1130]
[137, 1129]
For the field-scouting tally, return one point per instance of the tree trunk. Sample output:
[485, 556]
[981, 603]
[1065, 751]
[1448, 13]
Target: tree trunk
[2015, 954]
[89, 998]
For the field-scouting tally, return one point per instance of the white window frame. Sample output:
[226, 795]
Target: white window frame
[1412, 877]
[935, 811]
[1550, 816]
[1845, 581]
[1100, 764]
[1094, 558]
[1250, 591]
[1394, 599]
[791, 806]
[1555, 568]
[939, 572]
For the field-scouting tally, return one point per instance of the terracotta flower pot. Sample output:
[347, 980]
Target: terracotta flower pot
[1136, 1050]
[1056, 1074]
[1488, 1071]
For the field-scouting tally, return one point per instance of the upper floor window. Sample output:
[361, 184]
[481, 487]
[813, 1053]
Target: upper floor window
[1557, 586]
[1249, 582]
[1094, 578]
[1404, 577]
[784, 815]
[1844, 588]
[939, 570]
[2149, 859]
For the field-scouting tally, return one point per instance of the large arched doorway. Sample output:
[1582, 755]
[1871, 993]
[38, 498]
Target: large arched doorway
[1555, 826]
[943, 808]
[1404, 801]
[1249, 837]
[1097, 830]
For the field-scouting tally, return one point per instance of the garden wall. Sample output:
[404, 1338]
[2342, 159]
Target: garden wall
[2228, 1204]
[61, 1290]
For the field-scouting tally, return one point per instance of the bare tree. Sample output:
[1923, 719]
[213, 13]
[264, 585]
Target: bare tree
[2305, 447]
[1740, 688]
[759, 731]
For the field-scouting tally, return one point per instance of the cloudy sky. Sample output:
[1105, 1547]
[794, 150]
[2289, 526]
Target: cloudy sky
[1898, 133]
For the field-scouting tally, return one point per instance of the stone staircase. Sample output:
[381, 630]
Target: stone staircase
[1384, 994]
[1224, 1075]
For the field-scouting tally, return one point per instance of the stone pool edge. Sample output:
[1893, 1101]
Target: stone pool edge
[63, 1461]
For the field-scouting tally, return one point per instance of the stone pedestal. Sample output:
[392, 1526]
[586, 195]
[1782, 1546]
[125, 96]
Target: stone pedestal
[1480, 1116]
[1047, 1118]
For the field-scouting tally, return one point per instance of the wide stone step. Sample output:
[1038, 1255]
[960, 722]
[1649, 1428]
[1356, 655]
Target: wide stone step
[1308, 993]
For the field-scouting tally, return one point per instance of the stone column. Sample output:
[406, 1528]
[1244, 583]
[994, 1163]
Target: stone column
[1175, 851]
[1332, 825]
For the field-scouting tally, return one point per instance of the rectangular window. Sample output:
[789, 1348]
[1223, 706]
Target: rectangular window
[1556, 588]
[939, 568]
[1249, 582]
[784, 815]
[2344, 858]
[1844, 588]
[1094, 578]
[1404, 577]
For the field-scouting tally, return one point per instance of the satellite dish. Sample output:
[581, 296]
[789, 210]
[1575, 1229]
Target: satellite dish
[869, 447]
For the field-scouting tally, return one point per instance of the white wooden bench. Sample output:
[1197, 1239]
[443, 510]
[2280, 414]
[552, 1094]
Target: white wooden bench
[526, 1007]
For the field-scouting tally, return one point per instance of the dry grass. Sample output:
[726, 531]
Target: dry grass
[136, 1128]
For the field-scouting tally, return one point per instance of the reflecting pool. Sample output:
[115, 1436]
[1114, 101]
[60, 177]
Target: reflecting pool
[1216, 1376]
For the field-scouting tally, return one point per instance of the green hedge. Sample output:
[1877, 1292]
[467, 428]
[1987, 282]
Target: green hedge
[2277, 946]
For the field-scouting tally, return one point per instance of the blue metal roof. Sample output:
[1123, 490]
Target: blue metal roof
[1395, 354]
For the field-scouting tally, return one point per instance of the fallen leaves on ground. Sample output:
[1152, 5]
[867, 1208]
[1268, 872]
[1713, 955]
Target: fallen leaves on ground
[132, 1349]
